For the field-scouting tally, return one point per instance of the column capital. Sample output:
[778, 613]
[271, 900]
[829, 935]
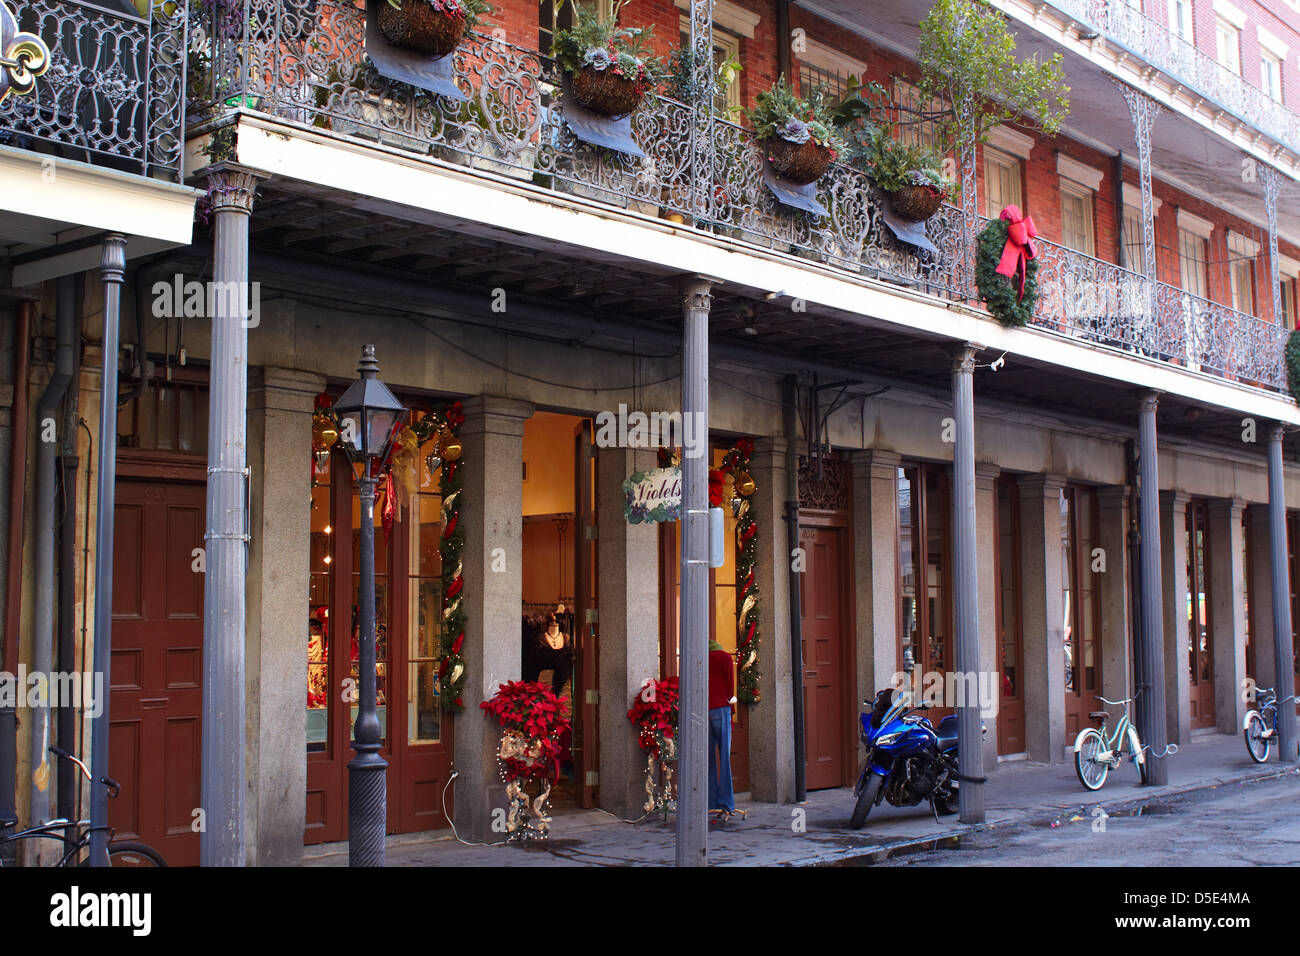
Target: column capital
[877, 462]
[770, 446]
[231, 186]
[1149, 401]
[284, 389]
[113, 257]
[963, 358]
[1113, 495]
[1276, 431]
[987, 470]
[1233, 507]
[491, 414]
[697, 292]
[1173, 499]
[1048, 485]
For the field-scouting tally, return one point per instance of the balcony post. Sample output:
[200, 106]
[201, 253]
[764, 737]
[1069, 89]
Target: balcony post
[702, 80]
[226, 539]
[1150, 704]
[970, 753]
[1143, 112]
[693, 720]
[1271, 181]
[1285, 682]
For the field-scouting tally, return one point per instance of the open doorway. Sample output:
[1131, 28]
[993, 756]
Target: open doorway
[557, 622]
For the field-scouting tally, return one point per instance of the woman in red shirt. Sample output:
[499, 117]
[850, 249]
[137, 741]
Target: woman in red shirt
[722, 699]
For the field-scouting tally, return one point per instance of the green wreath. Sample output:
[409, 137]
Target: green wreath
[997, 291]
[1293, 363]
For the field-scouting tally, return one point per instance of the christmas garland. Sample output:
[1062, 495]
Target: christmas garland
[444, 424]
[1005, 301]
[655, 713]
[735, 464]
[1293, 363]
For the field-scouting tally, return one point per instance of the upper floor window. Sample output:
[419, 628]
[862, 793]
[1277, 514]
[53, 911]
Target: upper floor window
[1191, 262]
[1270, 75]
[726, 49]
[1287, 285]
[916, 123]
[1180, 18]
[1002, 182]
[552, 18]
[822, 65]
[1241, 272]
[1227, 40]
[1076, 218]
[1135, 247]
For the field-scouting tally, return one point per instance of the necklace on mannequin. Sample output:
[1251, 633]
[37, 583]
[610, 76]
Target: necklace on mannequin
[554, 639]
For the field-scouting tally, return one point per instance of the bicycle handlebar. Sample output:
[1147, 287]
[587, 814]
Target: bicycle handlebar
[114, 788]
[1115, 703]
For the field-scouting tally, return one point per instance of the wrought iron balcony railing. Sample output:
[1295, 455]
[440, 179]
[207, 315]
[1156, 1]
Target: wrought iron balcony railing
[113, 89]
[304, 61]
[1155, 43]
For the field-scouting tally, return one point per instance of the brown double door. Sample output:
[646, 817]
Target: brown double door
[1200, 625]
[824, 622]
[156, 698]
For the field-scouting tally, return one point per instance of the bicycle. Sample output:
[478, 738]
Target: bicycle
[75, 835]
[1096, 754]
[1259, 736]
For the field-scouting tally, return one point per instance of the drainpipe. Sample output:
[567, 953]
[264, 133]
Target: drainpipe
[13, 585]
[783, 64]
[46, 488]
[1121, 240]
[66, 658]
[796, 622]
[1134, 563]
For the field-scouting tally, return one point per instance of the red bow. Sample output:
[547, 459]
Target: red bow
[1020, 247]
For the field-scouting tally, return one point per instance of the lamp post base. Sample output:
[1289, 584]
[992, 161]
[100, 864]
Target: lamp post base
[367, 809]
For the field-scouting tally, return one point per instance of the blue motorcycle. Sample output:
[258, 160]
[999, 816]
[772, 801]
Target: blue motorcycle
[907, 759]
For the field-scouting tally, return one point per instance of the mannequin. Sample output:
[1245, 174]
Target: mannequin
[555, 654]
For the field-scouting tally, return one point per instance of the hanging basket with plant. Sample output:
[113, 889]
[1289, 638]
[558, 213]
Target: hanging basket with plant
[431, 27]
[797, 136]
[1006, 267]
[610, 67]
[1293, 363]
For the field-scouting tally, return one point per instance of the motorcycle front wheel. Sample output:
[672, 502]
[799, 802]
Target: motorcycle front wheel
[866, 800]
[1256, 743]
[1092, 772]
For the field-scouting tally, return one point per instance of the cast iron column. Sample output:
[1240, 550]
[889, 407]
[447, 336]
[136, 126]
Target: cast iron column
[970, 744]
[1151, 682]
[112, 267]
[1143, 112]
[221, 842]
[693, 720]
[367, 771]
[1282, 650]
[702, 81]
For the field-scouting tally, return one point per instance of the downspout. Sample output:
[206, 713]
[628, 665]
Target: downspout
[783, 64]
[1121, 240]
[14, 547]
[1134, 565]
[46, 492]
[796, 623]
[66, 658]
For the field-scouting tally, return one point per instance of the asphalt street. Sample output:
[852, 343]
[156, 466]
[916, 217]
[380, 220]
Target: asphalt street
[1253, 823]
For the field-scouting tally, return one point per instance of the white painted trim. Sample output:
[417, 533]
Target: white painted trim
[1133, 197]
[1011, 141]
[1242, 245]
[1195, 224]
[730, 16]
[1081, 173]
[1287, 266]
[1272, 44]
[1231, 13]
[391, 182]
[818, 54]
[81, 194]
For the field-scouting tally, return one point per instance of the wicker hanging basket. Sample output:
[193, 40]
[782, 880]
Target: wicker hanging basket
[418, 27]
[605, 92]
[915, 203]
[801, 163]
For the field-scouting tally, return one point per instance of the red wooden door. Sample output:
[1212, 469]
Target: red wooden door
[1011, 702]
[822, 616]
[1081, 595]
[1200, 627]
[157, 666]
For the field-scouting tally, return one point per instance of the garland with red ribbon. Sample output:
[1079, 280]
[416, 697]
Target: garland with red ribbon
[736, 465]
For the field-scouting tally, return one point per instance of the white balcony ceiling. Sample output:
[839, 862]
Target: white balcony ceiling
[1183, 152]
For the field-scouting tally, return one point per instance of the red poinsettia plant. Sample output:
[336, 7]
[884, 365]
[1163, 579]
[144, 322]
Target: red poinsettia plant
[654, 711]
[532, 721]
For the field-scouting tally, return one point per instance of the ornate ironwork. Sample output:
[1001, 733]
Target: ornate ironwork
[824, 484]
[1271, 181]
[1143, 111]
[112, 92]
[304, 61]
[1127, 26]
[702, 141]
[23, 56]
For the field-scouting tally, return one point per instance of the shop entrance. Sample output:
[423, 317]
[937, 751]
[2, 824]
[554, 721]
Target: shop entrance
[1200, 627]
[417, 733]
[1011, 706]
[1081, 598]
[924, 579]
[558, 631]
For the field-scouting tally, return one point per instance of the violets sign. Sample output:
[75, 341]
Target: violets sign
[654, 495]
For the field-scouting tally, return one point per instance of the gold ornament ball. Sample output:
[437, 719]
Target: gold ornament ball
[324, 433]
[745, 484]
[451, 447]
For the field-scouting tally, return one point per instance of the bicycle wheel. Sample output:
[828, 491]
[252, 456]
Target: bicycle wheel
[1257, 745]
[128, 853]
[1134, 751]
[1092, 772]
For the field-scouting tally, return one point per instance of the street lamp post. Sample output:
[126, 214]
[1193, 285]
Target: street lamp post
[368, 413]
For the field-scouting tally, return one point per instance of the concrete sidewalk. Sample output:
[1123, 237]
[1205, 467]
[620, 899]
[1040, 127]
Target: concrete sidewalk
[816, 832]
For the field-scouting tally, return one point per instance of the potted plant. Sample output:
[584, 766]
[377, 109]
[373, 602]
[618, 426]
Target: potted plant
[910, 175]
[610, 67]
[798, 136]
[431, 27]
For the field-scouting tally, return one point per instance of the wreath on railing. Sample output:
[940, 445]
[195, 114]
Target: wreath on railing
[1006, 267]
[655, 712]
[1293, 363]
